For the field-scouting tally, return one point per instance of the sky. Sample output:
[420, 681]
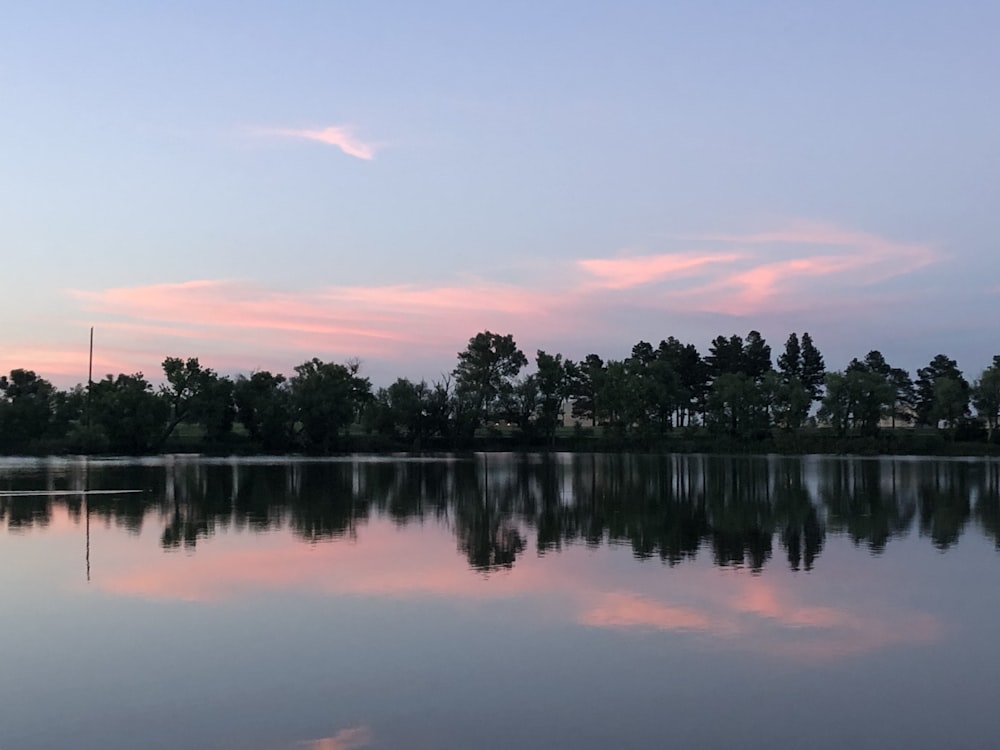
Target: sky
[256, 184]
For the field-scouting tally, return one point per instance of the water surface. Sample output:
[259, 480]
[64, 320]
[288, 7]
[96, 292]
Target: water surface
[499, 601]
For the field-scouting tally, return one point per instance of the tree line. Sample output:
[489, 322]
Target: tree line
[735, 392]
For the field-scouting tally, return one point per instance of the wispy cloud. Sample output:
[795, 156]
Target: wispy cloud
[374, 320]
[627, 272]
[749, 273]
[807, 270]
[341, 136]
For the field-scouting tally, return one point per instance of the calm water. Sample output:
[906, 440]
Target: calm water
[499, 601]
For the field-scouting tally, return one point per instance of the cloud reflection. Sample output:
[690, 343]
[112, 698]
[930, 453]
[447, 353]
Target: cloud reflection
[751, 614]
[737, 608]
[351, 738]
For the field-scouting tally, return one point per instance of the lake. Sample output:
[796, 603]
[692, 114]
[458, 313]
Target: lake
[497, 601]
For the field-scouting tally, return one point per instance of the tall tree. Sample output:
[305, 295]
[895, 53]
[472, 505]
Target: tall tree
[756, 356]
[904, 398]
[127, 411]
[552, 381]
[857, 397]
[326, 398]
[737, 406]
[26, 407]
[725, 356]
[939, 367]
[197, 394]
[813, 368]
[733, 355]
[692, 372]
[951, 402]
[587, 382]
[485, 374]
[790, 361]
[986, 397]
[264, 408]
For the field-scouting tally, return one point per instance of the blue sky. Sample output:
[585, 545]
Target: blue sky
[256, 184]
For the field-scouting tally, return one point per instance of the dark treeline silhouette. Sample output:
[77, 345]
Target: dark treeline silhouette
[741, 510]
[669, 396]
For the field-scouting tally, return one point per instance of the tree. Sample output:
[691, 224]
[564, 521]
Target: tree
[522, 404]
[857, 397]
[733, 355]
[756, 356]
[939, 367]
[792, 397]
[553, 384]
[662, 394]
[586, 381]
[127, 411]
[401, 410]
[326, 398]
[790, 361]
[736, 406]
[986, 397]
[789, 400]
[485, 374]
[899, 379]
[197, 394]
[26, 407]
[263, 406]
[813, 368]
[905, 397]
[692, 373]
[618, 398]
[950, 403]
[725, 356]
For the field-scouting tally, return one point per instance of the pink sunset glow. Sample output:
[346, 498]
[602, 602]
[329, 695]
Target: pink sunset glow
[247, 324]
[744, 611]
[623, 273]
[735, 607]
[340, 136]
[622, 609]
[351, 738]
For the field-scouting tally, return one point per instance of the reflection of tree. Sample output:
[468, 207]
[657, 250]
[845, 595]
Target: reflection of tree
[988, 502]
[661, 507]
[801, 529]
[864, 503]
[199, 500]
[945, 504]
[654, 509]
[329, 504]
[487, 530]
[21, 513]
[741, 511]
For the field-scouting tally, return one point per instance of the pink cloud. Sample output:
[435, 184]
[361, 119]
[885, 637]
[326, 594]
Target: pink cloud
[791, 269]
[346, 739]
[390, 322]
[622, 609]
[340, 136]
[248, 324]
[623, 273]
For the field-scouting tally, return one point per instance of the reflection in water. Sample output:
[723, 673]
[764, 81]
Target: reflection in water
[355, 603]
[352, 738]
[665, 507]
